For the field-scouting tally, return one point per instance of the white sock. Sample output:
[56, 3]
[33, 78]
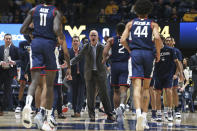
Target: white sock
[144, 114]
[122, 105]
[29, 100]
[159, 112]
[165, 109]
[42, 108]
[48, 113]
[169, 109]
[138, 112]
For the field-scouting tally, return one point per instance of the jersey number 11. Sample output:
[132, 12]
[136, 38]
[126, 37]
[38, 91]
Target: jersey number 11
[43, 18]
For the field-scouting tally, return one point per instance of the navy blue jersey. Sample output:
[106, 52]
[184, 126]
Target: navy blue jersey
[119, 53]
[179, 54]
[141, 34]
[164, 68]
[24, 55]
[179, 57]
[43, 17]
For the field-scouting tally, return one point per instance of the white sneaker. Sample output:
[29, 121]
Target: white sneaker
[165, 116]
[46, 127]
[159, 118]
[52, 122]
[170, 117]
[26, 117]
[39, 120]
[178, 115]
[18, 109]
[145, 123]
[119, 113]
[139, 124]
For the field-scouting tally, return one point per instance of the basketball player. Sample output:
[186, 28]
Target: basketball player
[163, 77]
[153, 94]
[47, 29]
[119, 69]
[25, 76]
[175, 77]
[141, 50]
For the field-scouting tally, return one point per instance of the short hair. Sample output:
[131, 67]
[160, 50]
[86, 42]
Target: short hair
[120, 28]
[167, 38]
[143, 7]
[85, 40]
[75, 36]
[7, 35]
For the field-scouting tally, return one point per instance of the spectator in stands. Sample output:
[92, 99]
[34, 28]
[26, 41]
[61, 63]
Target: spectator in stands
[18, 17]
[9, 57]
[124, 8]
[32, 2]
[109, 8]
[25, 6]
[101, 18]
[174, 15]
[115, 17]
[190, 16]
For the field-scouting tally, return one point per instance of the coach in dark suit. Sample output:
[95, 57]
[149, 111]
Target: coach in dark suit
[95, 75]
[193, 67]
[9, 57]
[78, 82]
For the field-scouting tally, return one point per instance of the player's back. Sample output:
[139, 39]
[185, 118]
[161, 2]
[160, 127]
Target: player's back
[119, 53]
[43, 17]
[141, 34]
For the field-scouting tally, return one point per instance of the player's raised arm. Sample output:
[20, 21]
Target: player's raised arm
[25, 29]
[157, 39]
[125, 35]
[106, 49]
[57, 26]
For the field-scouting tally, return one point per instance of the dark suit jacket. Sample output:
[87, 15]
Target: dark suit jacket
[14, 54]
[74, 67]
[193, 66]
[87, 53]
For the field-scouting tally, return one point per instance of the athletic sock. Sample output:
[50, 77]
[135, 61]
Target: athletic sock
[165, 109]
[144, 114]
[29, 100]
[154, 113]
[48, 113]
[138, 112]
[176, 109]
[42, 111]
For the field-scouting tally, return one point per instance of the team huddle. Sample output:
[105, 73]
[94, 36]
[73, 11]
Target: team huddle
[151, 62]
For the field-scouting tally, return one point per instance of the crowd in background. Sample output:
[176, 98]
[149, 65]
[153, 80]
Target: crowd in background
[17, 10]
[163, 10]
[113, 12]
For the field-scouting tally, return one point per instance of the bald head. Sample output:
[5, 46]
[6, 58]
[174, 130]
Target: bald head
[93, 37]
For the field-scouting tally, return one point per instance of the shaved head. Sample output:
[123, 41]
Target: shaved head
[93, 37]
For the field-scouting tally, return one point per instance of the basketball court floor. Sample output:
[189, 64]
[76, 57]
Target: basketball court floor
[12, 122]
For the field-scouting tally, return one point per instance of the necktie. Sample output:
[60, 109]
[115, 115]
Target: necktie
[6, 54]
